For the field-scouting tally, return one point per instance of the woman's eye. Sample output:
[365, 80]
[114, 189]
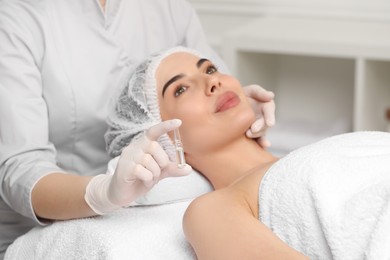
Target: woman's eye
[180, 90]
[211, 69]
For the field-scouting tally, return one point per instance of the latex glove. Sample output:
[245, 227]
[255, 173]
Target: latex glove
[141, 165]
[262, 102]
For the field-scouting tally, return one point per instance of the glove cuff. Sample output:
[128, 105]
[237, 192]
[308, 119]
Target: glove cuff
[96, 195]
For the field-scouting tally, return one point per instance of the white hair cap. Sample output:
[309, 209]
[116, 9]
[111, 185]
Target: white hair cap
[135, 109]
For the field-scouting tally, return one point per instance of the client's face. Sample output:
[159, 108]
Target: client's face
[211, 105]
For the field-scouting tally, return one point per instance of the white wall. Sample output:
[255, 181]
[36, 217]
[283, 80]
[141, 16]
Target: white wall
[217, 16]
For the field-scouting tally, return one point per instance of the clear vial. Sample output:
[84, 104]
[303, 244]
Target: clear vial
[181, 161]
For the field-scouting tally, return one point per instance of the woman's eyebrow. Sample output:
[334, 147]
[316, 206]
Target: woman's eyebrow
[177, 77]
[169, 82]
[200, 62]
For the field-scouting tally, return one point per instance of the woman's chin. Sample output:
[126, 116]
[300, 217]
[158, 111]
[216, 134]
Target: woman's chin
[244, 121]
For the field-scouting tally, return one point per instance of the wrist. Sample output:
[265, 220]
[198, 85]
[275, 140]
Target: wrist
[96, 195]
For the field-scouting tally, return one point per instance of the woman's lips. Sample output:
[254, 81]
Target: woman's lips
[226, 101]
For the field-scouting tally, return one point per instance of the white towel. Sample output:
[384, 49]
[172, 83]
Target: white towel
[331, 199]
[139, 233]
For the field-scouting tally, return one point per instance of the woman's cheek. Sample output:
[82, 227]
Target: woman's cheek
[191, 112]
[194, 125]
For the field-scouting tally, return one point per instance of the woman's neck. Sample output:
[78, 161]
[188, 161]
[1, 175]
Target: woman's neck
[103, 4]
[231, 162]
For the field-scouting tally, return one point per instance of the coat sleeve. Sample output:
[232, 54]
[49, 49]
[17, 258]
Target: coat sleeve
[26, 155]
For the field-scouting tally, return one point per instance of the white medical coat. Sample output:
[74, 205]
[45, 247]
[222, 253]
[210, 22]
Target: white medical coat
[60, 61]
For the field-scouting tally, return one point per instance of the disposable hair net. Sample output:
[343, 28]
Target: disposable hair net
[135, 108]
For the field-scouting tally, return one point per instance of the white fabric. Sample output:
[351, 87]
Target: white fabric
[60, 60]
[167, 190]
[145, 233]
[331, 199]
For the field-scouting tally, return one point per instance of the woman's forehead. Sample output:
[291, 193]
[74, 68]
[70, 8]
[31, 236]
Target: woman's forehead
[176, 63]
[180, 57]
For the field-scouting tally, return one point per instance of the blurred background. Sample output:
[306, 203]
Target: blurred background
[328, 61]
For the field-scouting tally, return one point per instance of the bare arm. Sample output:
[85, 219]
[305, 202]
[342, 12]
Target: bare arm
[61, 196]
[220, 225]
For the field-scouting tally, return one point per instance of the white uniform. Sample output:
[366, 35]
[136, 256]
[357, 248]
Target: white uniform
[59, 63]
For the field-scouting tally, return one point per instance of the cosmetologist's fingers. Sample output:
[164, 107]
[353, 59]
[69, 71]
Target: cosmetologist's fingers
[172, 170]
[269, 113]
[259, 93]
[158, 130]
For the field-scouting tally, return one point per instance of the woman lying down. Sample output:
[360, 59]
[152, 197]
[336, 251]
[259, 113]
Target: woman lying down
[328, 200]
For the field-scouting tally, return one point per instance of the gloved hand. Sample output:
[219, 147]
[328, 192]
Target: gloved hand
[141, 165]
[262, 102]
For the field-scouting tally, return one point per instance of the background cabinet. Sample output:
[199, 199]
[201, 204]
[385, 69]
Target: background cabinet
[329, 76]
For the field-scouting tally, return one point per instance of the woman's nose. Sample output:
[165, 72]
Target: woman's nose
[212, 84]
